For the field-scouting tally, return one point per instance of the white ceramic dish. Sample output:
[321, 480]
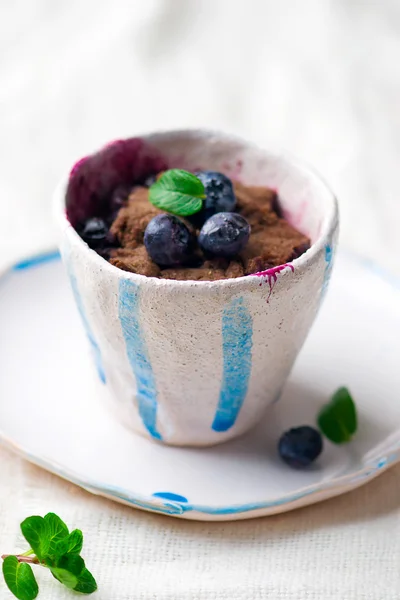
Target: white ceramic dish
[185, 361]
[50, 409]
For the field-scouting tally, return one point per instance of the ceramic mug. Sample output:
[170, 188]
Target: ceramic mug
[194, 362]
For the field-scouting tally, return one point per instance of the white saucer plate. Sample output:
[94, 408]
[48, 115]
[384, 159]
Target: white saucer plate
[53, 411]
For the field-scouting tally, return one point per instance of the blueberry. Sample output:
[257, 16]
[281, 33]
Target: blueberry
[224, 234]
[300, 446]
[220, 196]
[168, 241]
[94, 232]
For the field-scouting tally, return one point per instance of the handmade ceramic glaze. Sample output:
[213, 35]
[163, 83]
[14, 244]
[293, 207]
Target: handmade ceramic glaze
[198, 363]
[60, 396]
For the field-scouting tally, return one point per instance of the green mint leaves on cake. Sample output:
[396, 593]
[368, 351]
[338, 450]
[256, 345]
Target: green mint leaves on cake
[178, 192]
[337, 420]
[51, 546]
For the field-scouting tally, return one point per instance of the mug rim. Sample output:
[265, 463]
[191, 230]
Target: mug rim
[329, 225]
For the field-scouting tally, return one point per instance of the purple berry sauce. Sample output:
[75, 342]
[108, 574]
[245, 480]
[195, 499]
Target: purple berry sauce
[94, 179]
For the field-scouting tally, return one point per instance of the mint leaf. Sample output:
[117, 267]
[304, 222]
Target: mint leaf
[33, 530]
[86, 583]
[68, 569]
[73, 563]
[337, 420]
[43, 535]
[72, 544]
[178, 192]
[56, 549]
[71, 571]
[20, 579]
[65, 577]
[55, 530]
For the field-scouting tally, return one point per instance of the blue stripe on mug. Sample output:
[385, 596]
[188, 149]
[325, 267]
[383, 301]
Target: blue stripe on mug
[94, 345]
[328, 268]
[237, 335]
[128, 308]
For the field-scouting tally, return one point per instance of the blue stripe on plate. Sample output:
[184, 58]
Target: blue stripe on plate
[237, 334]
[93, 343]
[170, 496]
[39, 259]
[129, 308]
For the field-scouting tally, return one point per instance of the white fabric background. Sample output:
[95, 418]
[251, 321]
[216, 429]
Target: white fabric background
[319, 77]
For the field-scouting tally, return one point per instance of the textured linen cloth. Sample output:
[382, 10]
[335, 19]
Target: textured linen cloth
[318, 77]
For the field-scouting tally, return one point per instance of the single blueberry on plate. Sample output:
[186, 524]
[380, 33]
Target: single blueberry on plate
[224, 234]
[300, 446]
[168, 241]
[94, 232]
[220, 196]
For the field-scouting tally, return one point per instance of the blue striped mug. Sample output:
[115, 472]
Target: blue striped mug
[194, 362]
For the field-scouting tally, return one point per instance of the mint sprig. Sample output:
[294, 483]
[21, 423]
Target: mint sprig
[51, 546]
[178, 192]
[337, 420]
[20, 578]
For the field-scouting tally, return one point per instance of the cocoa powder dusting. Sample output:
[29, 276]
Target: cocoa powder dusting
[273, 241]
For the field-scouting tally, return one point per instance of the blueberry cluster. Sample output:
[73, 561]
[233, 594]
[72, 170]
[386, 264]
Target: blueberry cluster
[171, 242]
